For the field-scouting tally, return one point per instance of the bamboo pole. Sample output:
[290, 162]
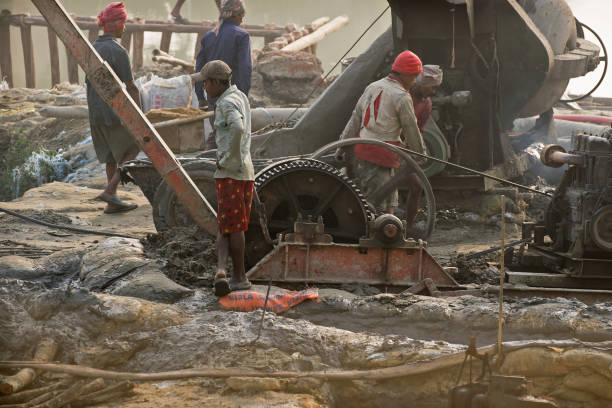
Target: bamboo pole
[87, 23]
[112, 392]
[502, 276]
[166, 38]
[317, 35]
[54, 57]
[45, 351]
[138, 48]
[28, 55]
[77, 389]
[26, 396]
[173, 61]
[6, 64]
[73, 68]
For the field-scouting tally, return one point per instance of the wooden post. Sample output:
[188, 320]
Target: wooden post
[6, 64]
[197, 45]
[54, 57]
[164, 45]
[126, 41]
[28, 55]
[92, 35]
[73, 68]
[138, 47]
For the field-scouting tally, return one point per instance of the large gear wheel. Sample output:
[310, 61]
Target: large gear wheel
[310, 188]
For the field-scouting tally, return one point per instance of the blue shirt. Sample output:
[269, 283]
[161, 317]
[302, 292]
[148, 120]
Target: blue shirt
[232, 46]
[117, 57]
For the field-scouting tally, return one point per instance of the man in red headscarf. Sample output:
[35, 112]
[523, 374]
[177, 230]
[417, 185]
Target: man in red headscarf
[385, 112]
[113, 144]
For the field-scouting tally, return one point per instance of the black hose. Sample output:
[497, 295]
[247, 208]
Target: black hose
[605, 59]
[497, 248]
[64, 227]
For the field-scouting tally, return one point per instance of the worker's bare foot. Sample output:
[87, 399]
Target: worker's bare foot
[112, 208]
[244, 285]
[222, 286]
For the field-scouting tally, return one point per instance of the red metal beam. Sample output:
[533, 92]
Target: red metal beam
[110, 88]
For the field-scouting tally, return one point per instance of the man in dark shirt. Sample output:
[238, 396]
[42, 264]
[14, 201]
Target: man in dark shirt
[230, 44]
[113, 144]
[425, 86]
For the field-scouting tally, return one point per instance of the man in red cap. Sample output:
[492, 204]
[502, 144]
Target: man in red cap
[385, 112]
[113, 144]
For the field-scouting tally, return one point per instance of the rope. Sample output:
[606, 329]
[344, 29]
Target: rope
[64, 227]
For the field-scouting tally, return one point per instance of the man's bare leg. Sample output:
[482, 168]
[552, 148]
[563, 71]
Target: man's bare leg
[223, 250]
[236, 244]
[176, 11]
[114, 177]
[221, 283]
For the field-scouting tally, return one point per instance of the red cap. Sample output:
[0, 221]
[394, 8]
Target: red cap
[407, 63]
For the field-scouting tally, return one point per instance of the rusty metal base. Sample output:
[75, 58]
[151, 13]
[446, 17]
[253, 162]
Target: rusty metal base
[330, 263]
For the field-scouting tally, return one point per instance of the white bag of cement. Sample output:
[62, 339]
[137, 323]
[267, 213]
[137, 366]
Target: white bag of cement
[4, 86]
[159, 93]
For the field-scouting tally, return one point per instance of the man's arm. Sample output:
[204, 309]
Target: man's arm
[412, 134]
[353, 126]
[199, 87]
[123, 69]
[229, 149]
[245, 64]
[132, 89]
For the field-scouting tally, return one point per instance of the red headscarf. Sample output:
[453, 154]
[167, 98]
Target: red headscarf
[112, 17]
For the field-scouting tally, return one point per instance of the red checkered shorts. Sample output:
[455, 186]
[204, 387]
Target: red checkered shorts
[234, 198]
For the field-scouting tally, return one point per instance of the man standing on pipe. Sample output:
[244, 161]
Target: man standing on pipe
[234, 175]
[385, 112]
[112, 142]
[230, 44]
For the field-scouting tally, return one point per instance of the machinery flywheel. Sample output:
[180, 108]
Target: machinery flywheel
[311, 188]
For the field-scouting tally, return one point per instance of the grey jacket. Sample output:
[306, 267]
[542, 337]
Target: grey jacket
[233, 136]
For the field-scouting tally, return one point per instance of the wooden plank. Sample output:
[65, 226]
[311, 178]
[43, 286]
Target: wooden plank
[138, 48]
[164, 45]
[197, 45]
[6, 63]
[54, 57]
[73, 68]
[28, 55]
[126, 41]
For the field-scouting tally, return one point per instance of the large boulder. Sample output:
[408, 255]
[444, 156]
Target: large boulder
[275, 65]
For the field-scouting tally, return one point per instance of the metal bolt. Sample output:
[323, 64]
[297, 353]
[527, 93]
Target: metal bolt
[390, 230]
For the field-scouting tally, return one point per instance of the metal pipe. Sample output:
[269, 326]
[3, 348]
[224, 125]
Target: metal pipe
[567, 158]
[555, 156]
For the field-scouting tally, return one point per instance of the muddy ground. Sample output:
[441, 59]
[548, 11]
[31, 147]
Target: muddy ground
[50, 287]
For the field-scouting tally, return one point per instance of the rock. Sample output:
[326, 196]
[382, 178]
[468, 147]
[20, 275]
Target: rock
[292, 91]
[118, 266]
[570, 394]
[18, 267]
[284, 65]
[151, 284]
[587, 381]
[534, 362]
[107, 354]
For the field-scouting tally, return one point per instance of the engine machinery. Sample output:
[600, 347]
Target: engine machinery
[578, 220]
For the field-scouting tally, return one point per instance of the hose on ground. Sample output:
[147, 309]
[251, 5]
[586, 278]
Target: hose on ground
[64, 227]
